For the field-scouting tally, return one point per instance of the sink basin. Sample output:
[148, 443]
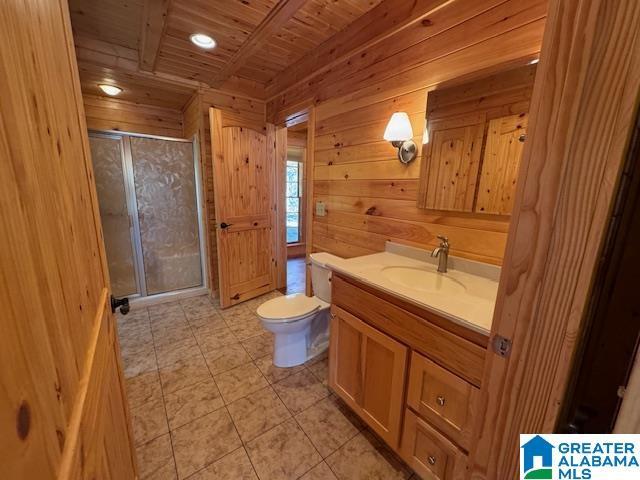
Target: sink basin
[423, 280]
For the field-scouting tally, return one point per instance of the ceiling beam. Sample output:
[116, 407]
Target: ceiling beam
[91, 51]
[277, 17]
[154, 19]
[378, 24]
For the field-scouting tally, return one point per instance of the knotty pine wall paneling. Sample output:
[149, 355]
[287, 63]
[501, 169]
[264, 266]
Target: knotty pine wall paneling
[194, 126]
[103, 113]
[370, 196]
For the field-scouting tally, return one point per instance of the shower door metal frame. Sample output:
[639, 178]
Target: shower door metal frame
[142, 295]
[130, 201]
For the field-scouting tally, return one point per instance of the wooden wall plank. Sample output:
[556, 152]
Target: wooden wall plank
[390, 189]
[112, 114]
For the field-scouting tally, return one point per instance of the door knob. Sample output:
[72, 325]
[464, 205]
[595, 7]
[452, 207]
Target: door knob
[225, 225]
[122, 303]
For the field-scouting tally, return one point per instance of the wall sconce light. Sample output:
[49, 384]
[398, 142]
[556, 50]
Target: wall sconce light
[400, 134]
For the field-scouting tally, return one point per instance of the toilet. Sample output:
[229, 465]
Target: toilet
[300, 324]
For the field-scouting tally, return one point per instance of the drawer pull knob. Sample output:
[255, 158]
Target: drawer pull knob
[431, 460]
[440, 400]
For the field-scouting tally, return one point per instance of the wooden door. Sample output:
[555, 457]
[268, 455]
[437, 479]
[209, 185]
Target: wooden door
[245, 186]
[367, 370]
[452, 162]
[500, 164]
[62, 401]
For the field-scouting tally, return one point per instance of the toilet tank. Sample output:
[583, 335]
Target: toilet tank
[320, 274]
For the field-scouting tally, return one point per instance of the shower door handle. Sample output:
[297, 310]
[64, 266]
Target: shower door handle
[122, 303]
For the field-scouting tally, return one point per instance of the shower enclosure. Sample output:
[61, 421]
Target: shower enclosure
[148, 192]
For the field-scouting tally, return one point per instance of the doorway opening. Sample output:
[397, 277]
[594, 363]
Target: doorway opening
[295, 207]
[149, 199]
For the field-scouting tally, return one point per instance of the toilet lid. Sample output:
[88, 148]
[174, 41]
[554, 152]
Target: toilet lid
[289, 307]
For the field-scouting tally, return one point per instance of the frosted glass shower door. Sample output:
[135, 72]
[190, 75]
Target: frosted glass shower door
[165, 185]
[108, 165]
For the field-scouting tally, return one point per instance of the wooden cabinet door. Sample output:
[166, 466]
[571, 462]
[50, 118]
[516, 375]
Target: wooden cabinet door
[500, 164]
[367, 370]
[62, 399]
[450, 170]
[244, 167]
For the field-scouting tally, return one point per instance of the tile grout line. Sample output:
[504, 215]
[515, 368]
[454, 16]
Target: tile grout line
[243, 444]
[293, 417]
[224, 403]
[164, 403]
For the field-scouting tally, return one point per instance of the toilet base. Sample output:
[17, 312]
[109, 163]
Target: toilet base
[290, 349]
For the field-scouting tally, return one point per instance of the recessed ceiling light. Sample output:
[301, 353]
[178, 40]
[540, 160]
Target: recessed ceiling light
[203, 41]
[535, 60]
[111, 90]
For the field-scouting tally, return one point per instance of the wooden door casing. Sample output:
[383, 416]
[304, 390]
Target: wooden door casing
[367, 370]
[64, 412]
[244, 165]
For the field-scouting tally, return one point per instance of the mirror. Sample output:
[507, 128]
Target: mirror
[476, 132]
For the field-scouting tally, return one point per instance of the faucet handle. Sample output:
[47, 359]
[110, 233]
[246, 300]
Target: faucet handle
[443, 239]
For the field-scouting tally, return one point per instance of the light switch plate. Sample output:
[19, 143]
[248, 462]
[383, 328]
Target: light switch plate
[320, 209]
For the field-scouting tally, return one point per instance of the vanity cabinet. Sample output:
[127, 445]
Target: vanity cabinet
[411, 375]
[367, 370]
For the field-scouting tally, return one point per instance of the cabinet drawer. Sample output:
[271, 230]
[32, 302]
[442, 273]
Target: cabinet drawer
[429, 453]
[443, 398]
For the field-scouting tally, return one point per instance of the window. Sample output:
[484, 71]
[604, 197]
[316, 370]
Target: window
[293, 194]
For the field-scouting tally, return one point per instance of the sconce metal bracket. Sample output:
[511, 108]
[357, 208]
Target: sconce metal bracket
[407, 151]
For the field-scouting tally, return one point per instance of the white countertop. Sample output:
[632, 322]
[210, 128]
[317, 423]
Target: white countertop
[469, 300]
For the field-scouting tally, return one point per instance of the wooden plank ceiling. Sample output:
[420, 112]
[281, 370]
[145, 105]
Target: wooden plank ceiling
[256, 40]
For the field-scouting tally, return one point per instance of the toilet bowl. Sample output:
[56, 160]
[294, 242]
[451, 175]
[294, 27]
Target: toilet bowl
[300, 324]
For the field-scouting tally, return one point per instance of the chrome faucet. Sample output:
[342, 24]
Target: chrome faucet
[442, 252]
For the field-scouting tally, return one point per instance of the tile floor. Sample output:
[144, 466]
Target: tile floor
[207, 402]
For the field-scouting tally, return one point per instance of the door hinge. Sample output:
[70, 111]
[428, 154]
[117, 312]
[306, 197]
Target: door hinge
[621, 391]
[501, 345]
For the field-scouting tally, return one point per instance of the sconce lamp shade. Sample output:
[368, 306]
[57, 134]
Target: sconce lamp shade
[398, 128]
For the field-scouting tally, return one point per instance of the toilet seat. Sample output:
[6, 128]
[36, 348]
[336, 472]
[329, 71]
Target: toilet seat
[290, 308]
